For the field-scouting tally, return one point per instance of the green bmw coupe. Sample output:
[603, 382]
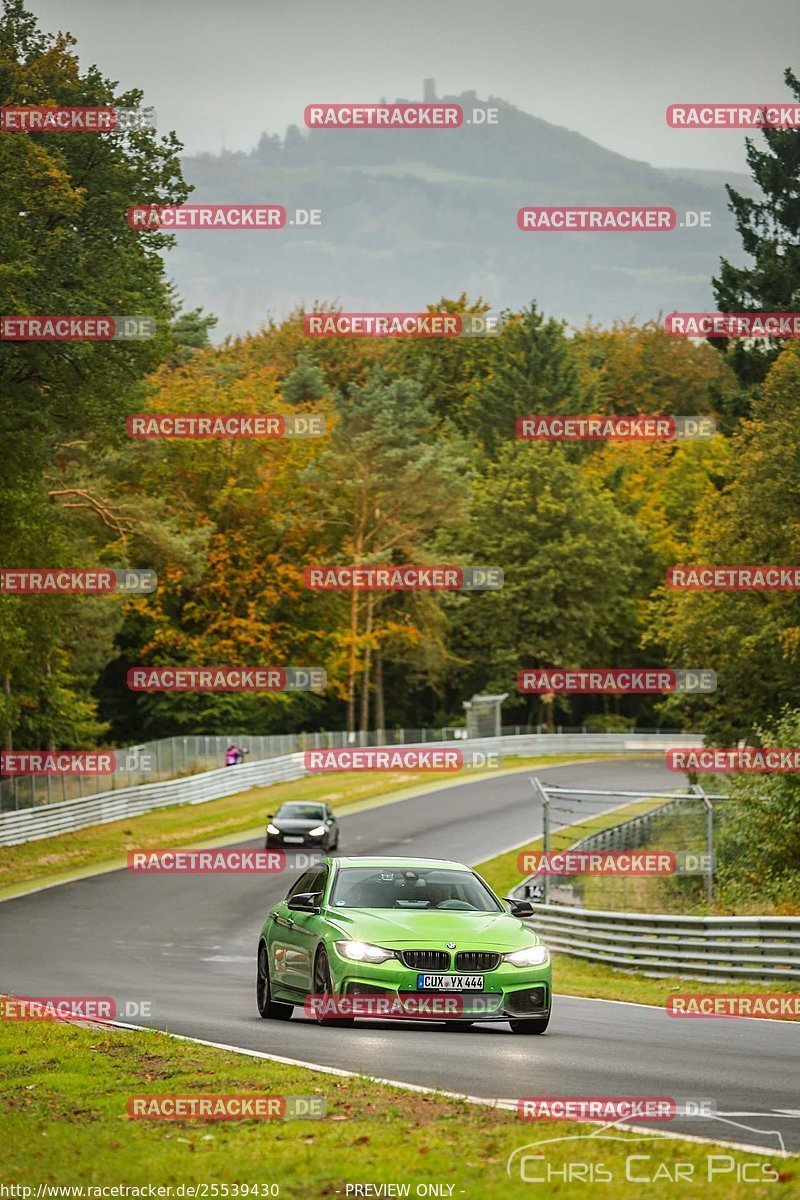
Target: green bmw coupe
[352, 929]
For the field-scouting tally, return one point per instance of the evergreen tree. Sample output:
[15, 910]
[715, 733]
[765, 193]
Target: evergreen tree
[770, 233]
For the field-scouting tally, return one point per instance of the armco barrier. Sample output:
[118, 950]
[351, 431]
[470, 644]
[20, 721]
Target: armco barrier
[713, 948]
[47, 820]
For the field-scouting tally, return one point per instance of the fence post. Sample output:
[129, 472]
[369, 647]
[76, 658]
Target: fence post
[537, 787]
[698, 791]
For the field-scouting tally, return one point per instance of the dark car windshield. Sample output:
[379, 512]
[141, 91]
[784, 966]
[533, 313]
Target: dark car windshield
[422, 888]
[302, 812]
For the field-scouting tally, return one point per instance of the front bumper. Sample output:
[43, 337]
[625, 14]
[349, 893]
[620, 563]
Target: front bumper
[509, 992]
[278, 841]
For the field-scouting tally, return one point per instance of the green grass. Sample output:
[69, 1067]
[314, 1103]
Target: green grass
[580, 977]
[232, 818]
[64, 1093]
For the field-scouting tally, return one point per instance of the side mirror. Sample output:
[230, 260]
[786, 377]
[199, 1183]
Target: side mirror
[519, 908]
[305, 902]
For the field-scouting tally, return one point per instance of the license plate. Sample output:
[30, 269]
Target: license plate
[295, 840]
[449, 983]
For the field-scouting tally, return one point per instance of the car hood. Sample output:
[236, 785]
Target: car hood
[399, 928]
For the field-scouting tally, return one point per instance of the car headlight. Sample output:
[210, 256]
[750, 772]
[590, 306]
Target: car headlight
[364, 952]
[531, 956]
[272, 828]
[317, 831]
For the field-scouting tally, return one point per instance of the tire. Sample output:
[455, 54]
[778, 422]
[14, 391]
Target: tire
[530, 1024]
[323, 986]
[268, 1008]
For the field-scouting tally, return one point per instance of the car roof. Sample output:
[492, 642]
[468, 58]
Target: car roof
[370, 860]
[318, 803]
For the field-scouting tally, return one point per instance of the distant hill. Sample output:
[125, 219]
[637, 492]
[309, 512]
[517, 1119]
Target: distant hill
[411, 216]
[742, 183]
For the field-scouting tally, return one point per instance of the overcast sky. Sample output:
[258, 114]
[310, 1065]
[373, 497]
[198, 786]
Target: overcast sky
[223, 71]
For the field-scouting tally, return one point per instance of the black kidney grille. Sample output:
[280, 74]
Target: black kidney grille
[477, 960]
[426, 960]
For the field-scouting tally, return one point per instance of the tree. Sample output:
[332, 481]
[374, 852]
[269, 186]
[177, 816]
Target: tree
[641, 369]
[758, 842]
[390, 479]
[537, 372]
[570, 563]
[770, 233]
[65, 248]
[750, 639]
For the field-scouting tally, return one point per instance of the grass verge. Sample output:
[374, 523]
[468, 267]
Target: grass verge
[241, 816]
[64, 1091]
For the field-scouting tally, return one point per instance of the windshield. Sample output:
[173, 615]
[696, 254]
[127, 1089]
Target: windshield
[425, 888]
[302, 812]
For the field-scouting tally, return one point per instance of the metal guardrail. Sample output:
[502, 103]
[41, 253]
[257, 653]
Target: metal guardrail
[190, 754]
[47, 820]
[712, 948]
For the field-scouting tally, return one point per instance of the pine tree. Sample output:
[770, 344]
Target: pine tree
[770, 233]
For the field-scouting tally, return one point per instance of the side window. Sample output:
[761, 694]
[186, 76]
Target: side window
[302, 884]
[318, 879]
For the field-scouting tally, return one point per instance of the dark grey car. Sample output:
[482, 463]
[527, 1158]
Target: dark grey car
[302, 823]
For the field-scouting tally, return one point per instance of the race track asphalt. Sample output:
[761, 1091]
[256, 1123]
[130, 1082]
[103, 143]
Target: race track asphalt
[186, 944]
